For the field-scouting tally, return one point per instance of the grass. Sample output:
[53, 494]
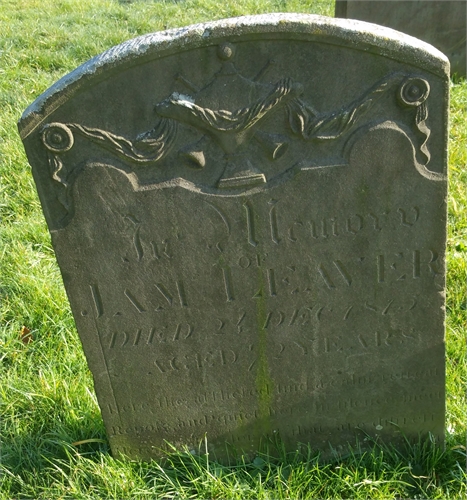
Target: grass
[53, 443]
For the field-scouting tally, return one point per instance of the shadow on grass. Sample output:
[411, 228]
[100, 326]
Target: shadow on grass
[418, 470]
[148, 1]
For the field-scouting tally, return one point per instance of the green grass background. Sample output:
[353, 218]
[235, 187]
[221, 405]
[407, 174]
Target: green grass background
[47, 402]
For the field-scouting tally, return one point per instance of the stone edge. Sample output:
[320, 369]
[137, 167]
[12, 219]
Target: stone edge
[355, 34]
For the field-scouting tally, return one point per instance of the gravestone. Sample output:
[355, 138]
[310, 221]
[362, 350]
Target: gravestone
[249, 217]
[443, 23]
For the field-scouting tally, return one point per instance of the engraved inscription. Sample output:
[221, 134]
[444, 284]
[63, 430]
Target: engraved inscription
[250, 224]
[251, 276]
[163, 290]
[401, 266]
[302, 232]
[197, 361]
[166, 333]
[134, 301]
[96, 297]
[310, 388]
[273, 222]
[404, 218]
[344, 274]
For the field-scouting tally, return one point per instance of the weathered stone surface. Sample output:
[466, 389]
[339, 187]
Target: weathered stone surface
[249, 217]
[443, 23]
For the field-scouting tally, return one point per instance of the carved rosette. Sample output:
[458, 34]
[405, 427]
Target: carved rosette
[57, 137]
[414, 91]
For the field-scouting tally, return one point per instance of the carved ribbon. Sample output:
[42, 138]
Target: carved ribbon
[187, 111]
[305, 122]
[148, 147]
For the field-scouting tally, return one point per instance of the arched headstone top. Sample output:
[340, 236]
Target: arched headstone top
[358, 35]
